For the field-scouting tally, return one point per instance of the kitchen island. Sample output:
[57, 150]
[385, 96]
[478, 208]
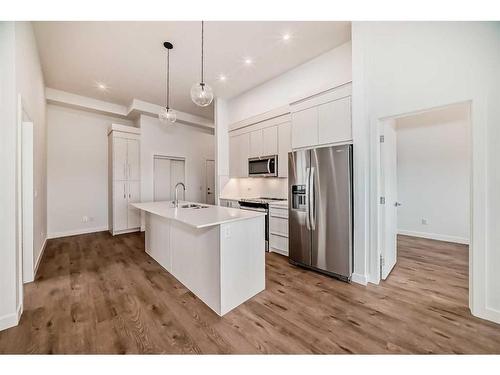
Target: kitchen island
[216, 252]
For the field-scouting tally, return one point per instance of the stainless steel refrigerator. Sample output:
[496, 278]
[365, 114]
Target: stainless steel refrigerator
[320, 209]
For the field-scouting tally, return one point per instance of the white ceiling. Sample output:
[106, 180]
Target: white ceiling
[129, 57]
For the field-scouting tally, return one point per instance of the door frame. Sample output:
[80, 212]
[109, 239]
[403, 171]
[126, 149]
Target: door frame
[206, 180]
[477, 182]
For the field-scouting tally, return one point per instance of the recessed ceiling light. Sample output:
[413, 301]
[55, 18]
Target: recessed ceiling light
[286, 37]
[248, 61]
[102, 86]
[222, 78]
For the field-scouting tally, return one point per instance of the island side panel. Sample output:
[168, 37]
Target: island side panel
[242, 258]
[157, 242]
[195, 261]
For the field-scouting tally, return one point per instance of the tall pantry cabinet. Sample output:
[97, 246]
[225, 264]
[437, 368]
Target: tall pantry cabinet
[124, 183]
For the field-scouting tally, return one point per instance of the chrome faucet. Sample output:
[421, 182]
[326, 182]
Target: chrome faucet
[176, 200]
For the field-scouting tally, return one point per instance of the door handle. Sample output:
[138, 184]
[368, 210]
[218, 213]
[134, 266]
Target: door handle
[308, 192]
[312, 202]
[397, 204]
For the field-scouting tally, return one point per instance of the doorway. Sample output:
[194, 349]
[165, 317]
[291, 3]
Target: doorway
[424, 185]
[210, 181]
[167, 172]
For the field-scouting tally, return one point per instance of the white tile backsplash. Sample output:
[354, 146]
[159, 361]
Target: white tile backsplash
[256, 187]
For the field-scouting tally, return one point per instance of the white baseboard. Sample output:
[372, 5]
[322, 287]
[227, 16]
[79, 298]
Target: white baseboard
[488, 314]
[76, 232]
[434, 236]
[11, 320]
[359, 279]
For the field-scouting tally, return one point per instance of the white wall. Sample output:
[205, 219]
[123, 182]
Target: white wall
[328, 70]
[77, 170]
[403, 67]
[9, 268]
[193, 143]
[30, 84]
[433, 157]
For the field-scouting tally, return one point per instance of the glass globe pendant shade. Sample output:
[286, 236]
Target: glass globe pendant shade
[202, 94]
[167, 115]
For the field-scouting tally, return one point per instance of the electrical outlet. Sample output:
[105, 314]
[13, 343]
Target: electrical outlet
[227, 231]
[85, 219]
[424, 221]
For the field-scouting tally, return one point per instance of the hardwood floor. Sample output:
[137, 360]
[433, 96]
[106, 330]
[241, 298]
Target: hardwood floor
[101, 294]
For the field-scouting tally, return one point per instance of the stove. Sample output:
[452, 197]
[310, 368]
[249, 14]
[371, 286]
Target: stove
[260, 204]
[263, 200]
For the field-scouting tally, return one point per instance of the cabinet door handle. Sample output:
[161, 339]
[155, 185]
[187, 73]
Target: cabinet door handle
[124, 194]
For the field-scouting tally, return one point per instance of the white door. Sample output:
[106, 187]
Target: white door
[389, 189]
[120, 206]
[210, 178]
[167, 173]
[134, 195]
[177, 174]
[119, 158]
[27, 204]
[133, 159]
[161, 179]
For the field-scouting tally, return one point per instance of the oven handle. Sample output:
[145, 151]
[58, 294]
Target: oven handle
[269, 165]
[254, 209]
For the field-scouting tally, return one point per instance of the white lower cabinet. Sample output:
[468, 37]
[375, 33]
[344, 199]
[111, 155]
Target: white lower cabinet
[134, 196]
[120, 206]
[278, 230]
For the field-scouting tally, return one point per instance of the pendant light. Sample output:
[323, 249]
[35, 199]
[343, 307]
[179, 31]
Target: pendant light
[202, 94]
[167, 114]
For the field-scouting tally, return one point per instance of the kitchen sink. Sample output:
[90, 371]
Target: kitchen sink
[195, 206]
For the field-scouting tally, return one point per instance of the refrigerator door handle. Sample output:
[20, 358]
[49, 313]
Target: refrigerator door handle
[312, 201]
[308, 192]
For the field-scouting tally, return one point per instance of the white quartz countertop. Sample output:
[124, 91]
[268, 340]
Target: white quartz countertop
[197, 218]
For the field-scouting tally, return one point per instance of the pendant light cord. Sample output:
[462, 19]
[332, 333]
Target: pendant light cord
[202, 35]
[168, 78]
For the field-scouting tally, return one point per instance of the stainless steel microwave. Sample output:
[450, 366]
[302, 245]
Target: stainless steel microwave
[266, 166]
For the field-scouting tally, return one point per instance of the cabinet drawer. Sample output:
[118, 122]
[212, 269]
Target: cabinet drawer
[278, 225]
[278, 212]
[278, 243]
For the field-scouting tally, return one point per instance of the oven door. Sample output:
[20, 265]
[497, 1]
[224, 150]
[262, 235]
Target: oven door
[262, 167]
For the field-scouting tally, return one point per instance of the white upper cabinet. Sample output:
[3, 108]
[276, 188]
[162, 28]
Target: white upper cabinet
[133, 160]
[322, 119]
[264, 138]
[239, 151]
[119, 159]
[305, 128]
[256, 143]
[334, 121]
[284, 147]
[270, 141]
